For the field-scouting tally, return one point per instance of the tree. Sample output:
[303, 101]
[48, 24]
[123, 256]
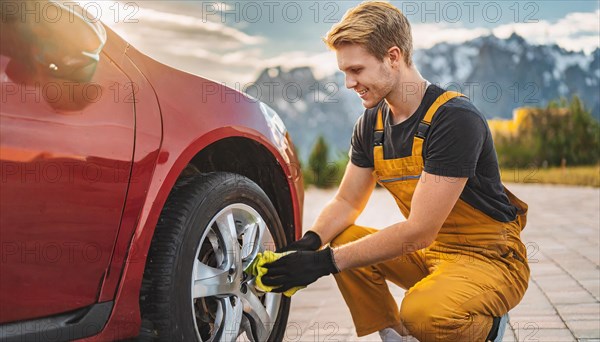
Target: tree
[320, 172]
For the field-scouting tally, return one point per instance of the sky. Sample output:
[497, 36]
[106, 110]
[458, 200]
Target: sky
[233, 41]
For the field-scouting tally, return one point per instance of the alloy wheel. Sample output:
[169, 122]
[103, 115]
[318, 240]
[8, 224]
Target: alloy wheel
[225, 302]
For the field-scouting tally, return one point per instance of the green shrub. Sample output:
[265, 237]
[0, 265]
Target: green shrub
[560, 134]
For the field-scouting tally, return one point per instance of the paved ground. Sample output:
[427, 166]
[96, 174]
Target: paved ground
[563, 299]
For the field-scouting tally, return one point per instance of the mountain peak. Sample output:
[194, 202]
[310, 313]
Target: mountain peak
[280, 72]
[515, 37]
[497, 74]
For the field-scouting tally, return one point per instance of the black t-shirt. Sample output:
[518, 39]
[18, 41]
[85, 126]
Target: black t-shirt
[458, 144]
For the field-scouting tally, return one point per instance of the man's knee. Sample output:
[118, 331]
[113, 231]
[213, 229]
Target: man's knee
[427, 320]
[352, 233]
[416, 315]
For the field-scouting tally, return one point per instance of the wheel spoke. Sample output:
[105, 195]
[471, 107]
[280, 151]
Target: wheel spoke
[265, 240]
[213, 239]
[271, 302]
[249, 249]
[232, 319]
[258, 315]
[226, 224]
[246, 328]
[254, 243]
[210, 281]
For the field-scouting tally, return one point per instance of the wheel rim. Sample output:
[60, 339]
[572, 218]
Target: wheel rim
[225, 302]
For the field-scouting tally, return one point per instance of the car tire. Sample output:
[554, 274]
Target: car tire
[194, 286]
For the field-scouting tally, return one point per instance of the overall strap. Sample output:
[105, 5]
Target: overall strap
[417, 149]
[378, 134]
[378, 138]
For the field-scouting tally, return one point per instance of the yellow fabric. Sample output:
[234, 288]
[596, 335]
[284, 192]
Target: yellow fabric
[256, 269]
[379, 122]
[440, 101]
[417, 149]
[475, 269]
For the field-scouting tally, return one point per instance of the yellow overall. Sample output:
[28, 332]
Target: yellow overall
[476, 268]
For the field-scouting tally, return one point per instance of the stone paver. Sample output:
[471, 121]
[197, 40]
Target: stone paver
[562, 302]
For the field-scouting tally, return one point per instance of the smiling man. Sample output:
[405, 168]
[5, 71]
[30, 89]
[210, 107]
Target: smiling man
[459, 254]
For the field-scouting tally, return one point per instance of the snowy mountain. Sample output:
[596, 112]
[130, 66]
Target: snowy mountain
[502, 74]
[311, 107]
[498, 75]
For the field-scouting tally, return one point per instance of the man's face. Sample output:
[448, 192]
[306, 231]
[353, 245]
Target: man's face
[371, 78]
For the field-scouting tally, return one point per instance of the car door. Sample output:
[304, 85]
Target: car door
[66, 147]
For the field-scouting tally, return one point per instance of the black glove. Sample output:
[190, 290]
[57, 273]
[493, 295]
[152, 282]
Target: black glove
[311, 241]
[299, 269]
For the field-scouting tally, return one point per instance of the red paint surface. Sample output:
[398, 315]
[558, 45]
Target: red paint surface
[88, 182]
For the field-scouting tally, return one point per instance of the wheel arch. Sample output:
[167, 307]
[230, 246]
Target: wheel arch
[250, 159]
[228, 149]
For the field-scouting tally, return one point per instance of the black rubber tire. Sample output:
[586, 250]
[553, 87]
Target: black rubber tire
[165, 299]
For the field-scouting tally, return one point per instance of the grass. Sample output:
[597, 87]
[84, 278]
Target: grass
[574, 175]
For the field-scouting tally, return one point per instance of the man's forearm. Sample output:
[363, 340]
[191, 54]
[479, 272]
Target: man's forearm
[396, 240]
[335, 217]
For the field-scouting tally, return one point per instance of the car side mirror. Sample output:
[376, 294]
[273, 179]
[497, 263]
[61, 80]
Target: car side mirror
[65, 44]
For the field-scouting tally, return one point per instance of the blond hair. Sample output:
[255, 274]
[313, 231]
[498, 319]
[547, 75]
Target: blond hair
[376, 25]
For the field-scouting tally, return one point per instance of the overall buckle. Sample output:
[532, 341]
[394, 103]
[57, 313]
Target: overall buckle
[378, 138]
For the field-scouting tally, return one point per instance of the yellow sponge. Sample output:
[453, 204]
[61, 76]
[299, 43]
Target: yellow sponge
[256, 269]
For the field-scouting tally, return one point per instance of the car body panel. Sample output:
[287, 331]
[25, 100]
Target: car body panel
[61, 201]
[148, 136]
[177, 115]
[205, 124]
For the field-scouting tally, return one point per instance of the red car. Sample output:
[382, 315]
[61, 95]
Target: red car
[132, 194]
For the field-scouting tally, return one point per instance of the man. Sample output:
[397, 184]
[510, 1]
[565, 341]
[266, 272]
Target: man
[459, 252]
